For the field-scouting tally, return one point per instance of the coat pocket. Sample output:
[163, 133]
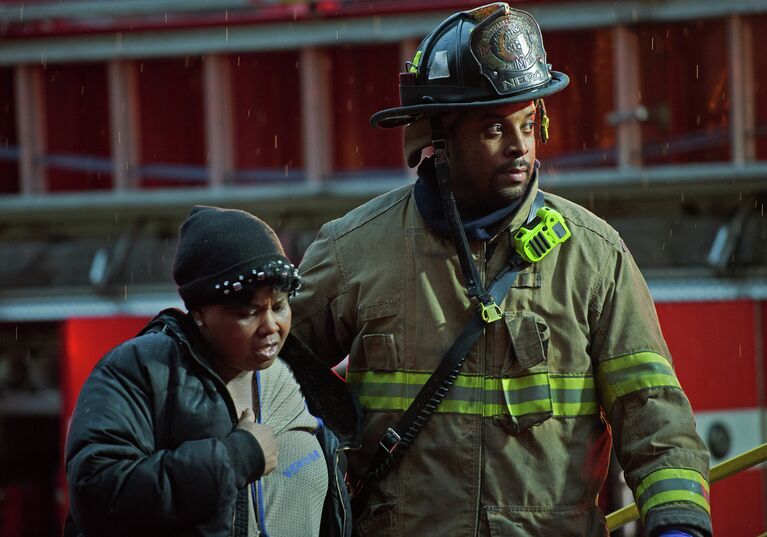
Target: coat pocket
[380, 352]
[379, 324]
[528, 342]
[542, 522]
[523, 391]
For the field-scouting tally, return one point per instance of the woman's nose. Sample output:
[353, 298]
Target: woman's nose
[268, 323]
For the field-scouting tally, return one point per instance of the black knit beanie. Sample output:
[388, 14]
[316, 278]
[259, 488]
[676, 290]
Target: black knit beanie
[223, 254]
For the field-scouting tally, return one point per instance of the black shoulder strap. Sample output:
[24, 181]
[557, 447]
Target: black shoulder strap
[398, 438]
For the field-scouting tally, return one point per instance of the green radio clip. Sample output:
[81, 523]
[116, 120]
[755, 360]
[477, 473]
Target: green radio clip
[537, 239]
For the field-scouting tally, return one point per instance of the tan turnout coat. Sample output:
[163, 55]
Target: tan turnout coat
[521, 444]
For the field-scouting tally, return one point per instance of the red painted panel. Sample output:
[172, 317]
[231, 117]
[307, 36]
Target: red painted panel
[684, 87]
[9, 170]
[267, 111]
[172, 122]
[579, 134]
[83, 342]
[364, 80]
[712, 345]
[759, 33]
[737, 505]
[77, 122]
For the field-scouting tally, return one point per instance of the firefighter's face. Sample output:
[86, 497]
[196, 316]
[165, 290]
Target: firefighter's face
[247, 337]
[492, 156]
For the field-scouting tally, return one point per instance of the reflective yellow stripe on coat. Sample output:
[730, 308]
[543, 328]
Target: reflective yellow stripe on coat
[633, 372]
[561, 395]
[672, 485]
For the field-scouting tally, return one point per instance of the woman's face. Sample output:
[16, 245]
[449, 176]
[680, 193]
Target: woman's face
[247, 337]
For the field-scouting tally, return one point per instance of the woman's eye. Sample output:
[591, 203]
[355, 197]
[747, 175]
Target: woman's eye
[528, 126]
[279, 306]
[495, 129]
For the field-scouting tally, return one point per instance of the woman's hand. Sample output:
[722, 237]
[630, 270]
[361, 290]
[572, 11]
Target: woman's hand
[263, 435]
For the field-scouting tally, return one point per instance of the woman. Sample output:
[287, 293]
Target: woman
[198, 426]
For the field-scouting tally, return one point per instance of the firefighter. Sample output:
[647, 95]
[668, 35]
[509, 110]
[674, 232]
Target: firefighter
[567, 361]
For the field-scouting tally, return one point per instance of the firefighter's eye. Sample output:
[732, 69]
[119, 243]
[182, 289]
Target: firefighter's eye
[528, 126]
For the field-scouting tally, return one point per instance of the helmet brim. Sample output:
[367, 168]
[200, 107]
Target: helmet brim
[403, 115]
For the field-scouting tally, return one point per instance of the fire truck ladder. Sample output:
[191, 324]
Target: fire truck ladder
[623, 516]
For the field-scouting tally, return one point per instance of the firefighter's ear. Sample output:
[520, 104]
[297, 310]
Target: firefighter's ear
[197, 319]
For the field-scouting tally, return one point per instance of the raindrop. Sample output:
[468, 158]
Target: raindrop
[238, 61]
[82, 90]
[697, 71]
[586, 79]
[226, 31]
[652, 43]
[275, 141]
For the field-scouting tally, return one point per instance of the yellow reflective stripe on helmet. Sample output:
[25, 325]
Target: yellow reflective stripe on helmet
[672, 485]
[633, 372]
[563, 395]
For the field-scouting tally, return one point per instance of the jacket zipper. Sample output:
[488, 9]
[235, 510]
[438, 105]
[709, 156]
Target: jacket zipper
[481, 367]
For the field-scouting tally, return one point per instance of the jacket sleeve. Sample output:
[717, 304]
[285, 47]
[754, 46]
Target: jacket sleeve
[664, 460]
[120, 482]
[321, 317]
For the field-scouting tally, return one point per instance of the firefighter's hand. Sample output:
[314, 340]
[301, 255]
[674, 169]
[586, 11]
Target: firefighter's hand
[263, 435]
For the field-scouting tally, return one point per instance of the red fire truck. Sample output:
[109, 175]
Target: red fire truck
[117, 116]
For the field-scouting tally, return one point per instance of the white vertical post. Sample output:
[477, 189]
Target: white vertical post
[315, 113]
[626, 73]
[741, 89]
[219, 137]
[30, 123]
[124, 123]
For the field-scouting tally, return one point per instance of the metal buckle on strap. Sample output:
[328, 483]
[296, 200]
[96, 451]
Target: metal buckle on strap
[390, 440]
[490, 312]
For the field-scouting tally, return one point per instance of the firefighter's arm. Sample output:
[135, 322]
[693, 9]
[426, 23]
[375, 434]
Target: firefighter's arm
[664, 460]
[320, 309]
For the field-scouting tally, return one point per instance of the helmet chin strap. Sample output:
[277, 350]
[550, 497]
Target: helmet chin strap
[474, 285]
[540, 112]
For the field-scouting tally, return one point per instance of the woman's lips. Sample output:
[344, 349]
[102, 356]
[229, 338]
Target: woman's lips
[267, 352]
